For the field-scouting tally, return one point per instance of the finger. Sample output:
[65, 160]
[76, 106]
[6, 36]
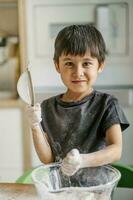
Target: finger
[72, 161]
[67, 161]
[37, 105]
[69, 172]
[73, 154]
[33, 109]
[30, 107]
[68, 166]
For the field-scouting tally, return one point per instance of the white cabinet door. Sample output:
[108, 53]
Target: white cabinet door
[11, 142]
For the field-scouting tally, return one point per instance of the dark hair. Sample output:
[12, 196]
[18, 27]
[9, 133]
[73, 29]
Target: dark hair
[77, 39]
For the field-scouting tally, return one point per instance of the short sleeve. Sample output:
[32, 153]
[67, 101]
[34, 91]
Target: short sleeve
[114, 115]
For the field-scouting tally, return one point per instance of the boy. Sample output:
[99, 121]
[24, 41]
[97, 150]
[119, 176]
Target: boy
[83, 127]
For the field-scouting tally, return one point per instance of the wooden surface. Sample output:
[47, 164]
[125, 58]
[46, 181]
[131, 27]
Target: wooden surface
[13, 191]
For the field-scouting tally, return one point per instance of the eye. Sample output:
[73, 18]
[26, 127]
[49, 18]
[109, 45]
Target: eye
[69, 64]
[87, 64]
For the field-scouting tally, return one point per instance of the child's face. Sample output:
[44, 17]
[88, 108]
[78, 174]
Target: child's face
[78, 73]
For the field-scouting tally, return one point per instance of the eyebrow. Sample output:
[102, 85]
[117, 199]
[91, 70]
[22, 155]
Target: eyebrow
[65, 59]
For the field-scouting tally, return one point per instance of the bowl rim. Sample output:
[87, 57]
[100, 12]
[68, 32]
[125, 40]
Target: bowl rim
[91, 188]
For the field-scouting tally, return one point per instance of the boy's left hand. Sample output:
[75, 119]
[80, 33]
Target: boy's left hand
[71, 163]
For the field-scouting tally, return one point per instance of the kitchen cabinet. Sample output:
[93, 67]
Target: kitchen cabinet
[12, 46]
[11, 141]
[14, 139]
[14, 148]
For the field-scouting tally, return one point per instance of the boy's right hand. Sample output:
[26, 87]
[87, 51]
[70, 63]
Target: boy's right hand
[34, 115]
[72, 162]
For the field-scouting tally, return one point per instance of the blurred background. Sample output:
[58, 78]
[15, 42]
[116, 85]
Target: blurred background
[27, 32]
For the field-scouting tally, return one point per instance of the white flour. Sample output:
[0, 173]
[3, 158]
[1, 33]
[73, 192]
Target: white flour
[74, 195]
[86, 184]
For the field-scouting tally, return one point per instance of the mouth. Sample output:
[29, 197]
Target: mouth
[78, 81]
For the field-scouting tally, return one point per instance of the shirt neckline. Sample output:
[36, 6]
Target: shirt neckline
[74, 103]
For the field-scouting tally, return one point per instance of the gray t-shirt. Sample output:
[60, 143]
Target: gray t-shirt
[80, 124]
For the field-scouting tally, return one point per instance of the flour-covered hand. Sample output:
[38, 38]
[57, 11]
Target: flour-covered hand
[34, 115]
[71, 163]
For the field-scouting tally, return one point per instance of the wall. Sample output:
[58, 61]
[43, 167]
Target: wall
[42, 15]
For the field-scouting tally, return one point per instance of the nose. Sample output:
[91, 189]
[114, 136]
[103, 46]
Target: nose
[78, 71]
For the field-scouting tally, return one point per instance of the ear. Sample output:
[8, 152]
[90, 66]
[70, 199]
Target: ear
[57, 67]
[101, 67]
